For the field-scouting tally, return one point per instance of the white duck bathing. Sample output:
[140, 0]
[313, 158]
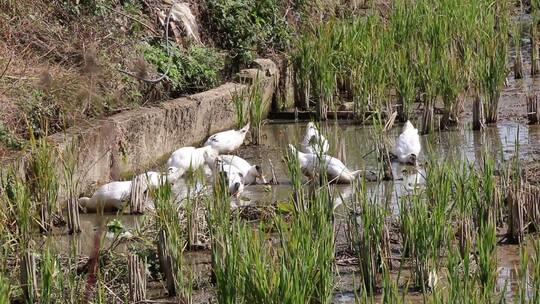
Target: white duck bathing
[227, 141]
[250, 173]
[113, 195]
[191, 158]
[335, 169]
[408, 145]
[314, 142]
[234, 178]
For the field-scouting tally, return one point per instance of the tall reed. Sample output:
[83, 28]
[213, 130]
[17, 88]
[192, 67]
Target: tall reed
[256, 110]
[434, 50]
[239, 102]
[44, 181]
[168, 221]
[368, 233]
[535, 272]
[225, 252]
[486, 259]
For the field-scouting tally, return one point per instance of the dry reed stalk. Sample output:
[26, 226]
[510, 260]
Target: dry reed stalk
[532, 109]
[535, 67]
[46, 222]
[427, 119]
[518, 65]
[478, 113]
[137, 278]
[138, 195]
[385, 245]
[532, 205]
[193, 224]
[28, 277]
[274, 180]
[465, 235]
[74, 222]
[166, 263]
[516, 209]
[386, 163]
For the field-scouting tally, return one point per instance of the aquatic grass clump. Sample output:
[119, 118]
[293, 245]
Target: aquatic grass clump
[368, 233]
[43, 181]
[486, 259]
[171, 242]
[434, 51]
[256, 110]
[225, 253]
[239, 108]
[19, 208]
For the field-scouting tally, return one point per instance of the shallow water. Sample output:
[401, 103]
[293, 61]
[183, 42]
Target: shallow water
[354, 145]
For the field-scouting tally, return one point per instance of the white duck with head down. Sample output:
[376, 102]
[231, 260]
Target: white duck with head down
[113, 195]
[314, 142]
[251, 173]
[335, 170]
[233, 176]
[408, 145]
[227, 141]
[191, 158]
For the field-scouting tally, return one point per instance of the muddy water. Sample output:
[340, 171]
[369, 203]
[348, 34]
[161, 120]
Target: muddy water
[354, 145]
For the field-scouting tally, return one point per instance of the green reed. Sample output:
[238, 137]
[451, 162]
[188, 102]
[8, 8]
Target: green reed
[368, 233]
[535, 272]
[225, 248]
[522, 276]
[295, 172]
[307, 244]
[256, 110]
[168, 221]
[43, 180]
[19, 207]
[461, 288]
[5, 289]
[49, 281]
[259, 270]
[486, 259]
[239, 102]
[433, 49]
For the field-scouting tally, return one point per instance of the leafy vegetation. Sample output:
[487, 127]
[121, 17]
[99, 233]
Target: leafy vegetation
[246, 27]
[195, 69]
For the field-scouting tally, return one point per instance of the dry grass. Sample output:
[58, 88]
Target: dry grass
[60, 67]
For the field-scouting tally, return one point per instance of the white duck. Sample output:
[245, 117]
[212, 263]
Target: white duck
[233, 177]
[191, 158]
[335, 169]
[113, 195]
[251, 173]
[227, 141]
[314, 141]
[408, 144]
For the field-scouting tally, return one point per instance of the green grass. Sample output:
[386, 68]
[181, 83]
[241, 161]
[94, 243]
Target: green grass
[437, 52]
[193, 70]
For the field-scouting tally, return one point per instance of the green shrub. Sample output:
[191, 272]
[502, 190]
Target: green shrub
[195, 69]
[246, 26]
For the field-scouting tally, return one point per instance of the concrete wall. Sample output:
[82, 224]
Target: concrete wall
[133, 141]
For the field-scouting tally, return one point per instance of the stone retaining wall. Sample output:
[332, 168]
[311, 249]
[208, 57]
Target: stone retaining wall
[133, 141]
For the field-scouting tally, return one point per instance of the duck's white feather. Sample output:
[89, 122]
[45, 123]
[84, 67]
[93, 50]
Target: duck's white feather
[250, 173]
[187, 158]
[407, 143]
[314, 141]
[113, 195]
[234, 179]
[227, 141]
[335, 169]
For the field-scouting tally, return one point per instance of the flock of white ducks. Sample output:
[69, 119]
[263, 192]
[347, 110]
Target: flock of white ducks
[239, 172]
